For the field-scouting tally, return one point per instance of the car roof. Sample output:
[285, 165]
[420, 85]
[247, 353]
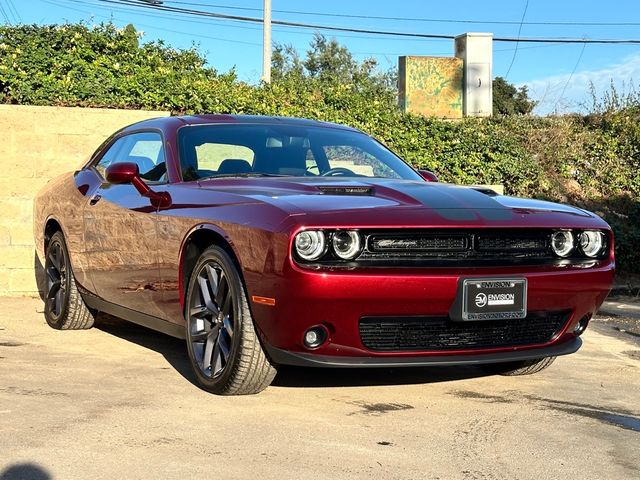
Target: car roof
[178, 121]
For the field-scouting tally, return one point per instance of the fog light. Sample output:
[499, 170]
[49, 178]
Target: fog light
[315, 336]
[581, 326]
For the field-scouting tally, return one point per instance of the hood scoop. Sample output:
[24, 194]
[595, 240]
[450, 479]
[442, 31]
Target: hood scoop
[346, 190]
[487, 191]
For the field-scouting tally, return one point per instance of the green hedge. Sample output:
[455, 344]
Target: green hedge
[592, 161]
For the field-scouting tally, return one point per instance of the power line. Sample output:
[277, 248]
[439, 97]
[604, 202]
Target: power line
[407, 19]
[515, 52]
[236, 23]
[190, 33]
[208, 37]
[497, 50]
[4, 14]
[151, 15]
[14, 11]
[570, 76]
[203, 13]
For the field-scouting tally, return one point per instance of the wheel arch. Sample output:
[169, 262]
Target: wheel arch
[197, 240]
[51, 226]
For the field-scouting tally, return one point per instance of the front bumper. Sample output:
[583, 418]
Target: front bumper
[301, 359]
[339, 300]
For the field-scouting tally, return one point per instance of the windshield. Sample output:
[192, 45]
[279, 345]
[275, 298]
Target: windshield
[284, 150]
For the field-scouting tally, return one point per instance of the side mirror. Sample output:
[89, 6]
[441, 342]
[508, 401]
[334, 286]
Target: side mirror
[128, 172]
[428, 176]
[125, 172]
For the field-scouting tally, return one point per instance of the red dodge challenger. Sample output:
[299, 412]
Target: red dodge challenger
[266, 241]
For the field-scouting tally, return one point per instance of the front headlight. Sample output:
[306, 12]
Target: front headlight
[310, 244]
[562, 243]
[347, 244]
[591, 242]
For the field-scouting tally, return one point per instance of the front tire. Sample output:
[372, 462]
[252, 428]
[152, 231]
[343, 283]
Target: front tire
[223, 347]
[64, 308]
[525, 367]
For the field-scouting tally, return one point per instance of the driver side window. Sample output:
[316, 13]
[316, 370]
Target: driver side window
[145, 149]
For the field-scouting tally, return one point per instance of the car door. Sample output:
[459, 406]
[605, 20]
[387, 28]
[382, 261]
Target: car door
[120, 227]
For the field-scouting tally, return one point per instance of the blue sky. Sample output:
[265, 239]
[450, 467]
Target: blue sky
[557, 75]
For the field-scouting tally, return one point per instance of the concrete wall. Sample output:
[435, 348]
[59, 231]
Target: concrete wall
[37, 144]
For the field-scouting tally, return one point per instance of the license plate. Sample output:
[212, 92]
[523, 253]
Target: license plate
[494, 299]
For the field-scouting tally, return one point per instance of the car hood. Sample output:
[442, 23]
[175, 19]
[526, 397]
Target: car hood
[333, 195]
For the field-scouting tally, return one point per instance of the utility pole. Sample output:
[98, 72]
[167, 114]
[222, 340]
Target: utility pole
[266, 42]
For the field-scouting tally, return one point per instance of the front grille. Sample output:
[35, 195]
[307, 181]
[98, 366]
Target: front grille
[531, 242]
[418, 243]
[466, 244]
[387, 334]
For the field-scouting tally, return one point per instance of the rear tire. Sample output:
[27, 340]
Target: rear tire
[524, 367]
[64, 308]
[224, 349]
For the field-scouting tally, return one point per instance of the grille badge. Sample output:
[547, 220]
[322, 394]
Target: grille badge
[396, 243]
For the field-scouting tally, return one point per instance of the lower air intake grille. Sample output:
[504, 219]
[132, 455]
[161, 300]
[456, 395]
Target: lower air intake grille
[386, 334]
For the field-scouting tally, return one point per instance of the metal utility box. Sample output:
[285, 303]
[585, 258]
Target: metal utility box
[476, 50]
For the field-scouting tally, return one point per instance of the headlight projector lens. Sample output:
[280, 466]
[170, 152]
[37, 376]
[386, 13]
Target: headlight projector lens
[310, 245]
[346, 244]
[591, 243]
[562, 243]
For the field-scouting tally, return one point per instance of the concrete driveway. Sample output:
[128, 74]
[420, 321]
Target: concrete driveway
[118, 401]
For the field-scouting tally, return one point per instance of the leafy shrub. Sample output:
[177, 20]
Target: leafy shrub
[592, 161]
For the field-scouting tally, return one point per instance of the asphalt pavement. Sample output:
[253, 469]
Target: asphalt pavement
[118, 401]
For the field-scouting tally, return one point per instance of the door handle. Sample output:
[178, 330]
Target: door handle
[95, 199]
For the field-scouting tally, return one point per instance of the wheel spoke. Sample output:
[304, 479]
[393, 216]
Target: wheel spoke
[228, 326]
[200, 311]
[205, 294]
[226, 314]
[212, 275]
[222, 286]
[199, 336]
[217, 360]
[51, 301]
[228, 303]
[54, 289]
[55, 256]
[224, 348]
[198, 349]
[208, 348]
[53, 274]
[58, 300]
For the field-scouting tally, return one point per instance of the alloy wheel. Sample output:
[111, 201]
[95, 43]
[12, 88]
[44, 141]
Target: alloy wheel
[211, 320]
[57, 282]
